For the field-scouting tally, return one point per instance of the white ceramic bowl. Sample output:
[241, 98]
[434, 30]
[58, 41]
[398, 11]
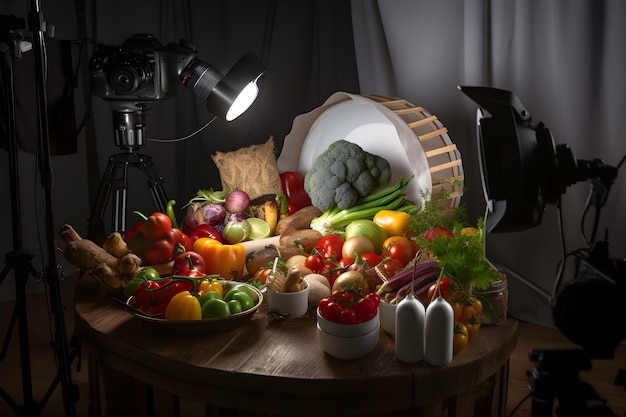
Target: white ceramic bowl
[296, 304]
[348, 347]
[388, 317]
[347, 330]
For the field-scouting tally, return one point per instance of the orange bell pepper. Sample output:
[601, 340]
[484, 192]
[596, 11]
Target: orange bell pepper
[227, 261]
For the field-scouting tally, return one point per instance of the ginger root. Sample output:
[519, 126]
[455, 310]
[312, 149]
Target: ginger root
[111, 264]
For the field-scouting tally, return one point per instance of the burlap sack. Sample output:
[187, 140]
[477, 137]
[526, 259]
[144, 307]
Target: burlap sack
[252, 169]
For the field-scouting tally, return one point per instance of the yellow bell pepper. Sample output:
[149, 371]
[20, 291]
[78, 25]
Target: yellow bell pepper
[394, 223]
[183, 306]
[227, 261]
[211, 285]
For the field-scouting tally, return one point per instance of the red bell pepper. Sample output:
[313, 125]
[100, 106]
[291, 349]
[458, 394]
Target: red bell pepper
[167, 247]
[293, 188]
[205, 230]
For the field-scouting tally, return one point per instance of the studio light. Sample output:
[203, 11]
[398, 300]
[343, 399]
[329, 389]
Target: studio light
[523, 171]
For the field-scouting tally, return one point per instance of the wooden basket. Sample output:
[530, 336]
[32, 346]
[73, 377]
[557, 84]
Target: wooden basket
[444, 159]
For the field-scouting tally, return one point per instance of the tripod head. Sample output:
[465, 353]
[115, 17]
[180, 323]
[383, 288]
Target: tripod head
[129, 124]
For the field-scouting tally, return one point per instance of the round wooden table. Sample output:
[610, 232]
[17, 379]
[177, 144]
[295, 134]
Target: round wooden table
[275, 367]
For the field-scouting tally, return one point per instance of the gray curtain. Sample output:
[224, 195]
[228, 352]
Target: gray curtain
[565, 61]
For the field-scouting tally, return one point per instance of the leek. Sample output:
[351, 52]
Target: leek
[334, 220]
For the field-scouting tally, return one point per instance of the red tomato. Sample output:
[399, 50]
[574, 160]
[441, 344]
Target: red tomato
[347, 316]
[438, 231]
[365, 310]
[330, 246]
[372, 259]
[392, 266]
[374, 297]
[329, 309]
[401, 251]
[262, 274]
[315, 263]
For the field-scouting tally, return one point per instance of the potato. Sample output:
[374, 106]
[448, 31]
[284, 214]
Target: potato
[306, 239]
[317, 290]
[299, 220]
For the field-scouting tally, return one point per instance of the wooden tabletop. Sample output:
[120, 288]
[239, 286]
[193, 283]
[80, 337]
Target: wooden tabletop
[274, 366]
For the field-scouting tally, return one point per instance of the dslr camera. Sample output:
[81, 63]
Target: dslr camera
[141, 69]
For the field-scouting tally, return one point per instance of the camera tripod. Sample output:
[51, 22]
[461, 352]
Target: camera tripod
[129, 131]
[19, 260]
[555, 377]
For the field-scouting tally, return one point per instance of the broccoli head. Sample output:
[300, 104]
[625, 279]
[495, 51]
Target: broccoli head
[343, 173]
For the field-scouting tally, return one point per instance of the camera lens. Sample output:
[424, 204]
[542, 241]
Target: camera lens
[201, 78]
[131, 75]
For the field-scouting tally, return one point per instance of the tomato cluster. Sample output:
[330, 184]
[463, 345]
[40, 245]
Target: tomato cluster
[327, 258]
[467, 308]
[349, 307]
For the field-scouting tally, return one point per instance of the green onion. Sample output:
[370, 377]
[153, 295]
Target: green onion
[334, 220]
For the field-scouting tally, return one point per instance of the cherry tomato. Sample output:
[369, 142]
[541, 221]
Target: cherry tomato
[472, 311]
[371, 259]
[374, 297]
[365, 310]
[315, 263]
[347, 263]
[472, 326]
[438, 231]
[392, 266]
[262, 274]
[449, 288]
[330, 310]
[330, 246]
[347, 316]
[401, 251]
[457, 308]
[392, 239]
[460, 339]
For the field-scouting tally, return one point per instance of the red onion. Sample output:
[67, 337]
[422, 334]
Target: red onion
[237, 201]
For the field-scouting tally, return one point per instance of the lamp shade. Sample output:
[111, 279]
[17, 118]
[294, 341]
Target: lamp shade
[236, 92]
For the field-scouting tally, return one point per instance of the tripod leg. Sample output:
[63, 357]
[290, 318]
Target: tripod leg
[96, 224]
[155, 183]
[119, 200]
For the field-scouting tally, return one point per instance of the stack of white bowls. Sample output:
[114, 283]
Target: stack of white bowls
[348, 341]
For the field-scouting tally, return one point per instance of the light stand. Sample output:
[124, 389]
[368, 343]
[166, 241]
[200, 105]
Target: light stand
[19, 260]
[129, 132]
[556, 377]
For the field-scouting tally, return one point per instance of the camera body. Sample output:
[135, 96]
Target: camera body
[139, 69]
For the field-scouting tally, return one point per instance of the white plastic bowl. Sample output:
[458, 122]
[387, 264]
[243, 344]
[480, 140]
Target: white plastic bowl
[348, 347]
[388, 317]
[347, 330]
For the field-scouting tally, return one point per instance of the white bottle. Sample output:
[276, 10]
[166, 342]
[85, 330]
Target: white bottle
[410, 321]
[439, 332]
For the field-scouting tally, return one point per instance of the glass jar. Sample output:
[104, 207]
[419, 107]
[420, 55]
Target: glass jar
[498, 295]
